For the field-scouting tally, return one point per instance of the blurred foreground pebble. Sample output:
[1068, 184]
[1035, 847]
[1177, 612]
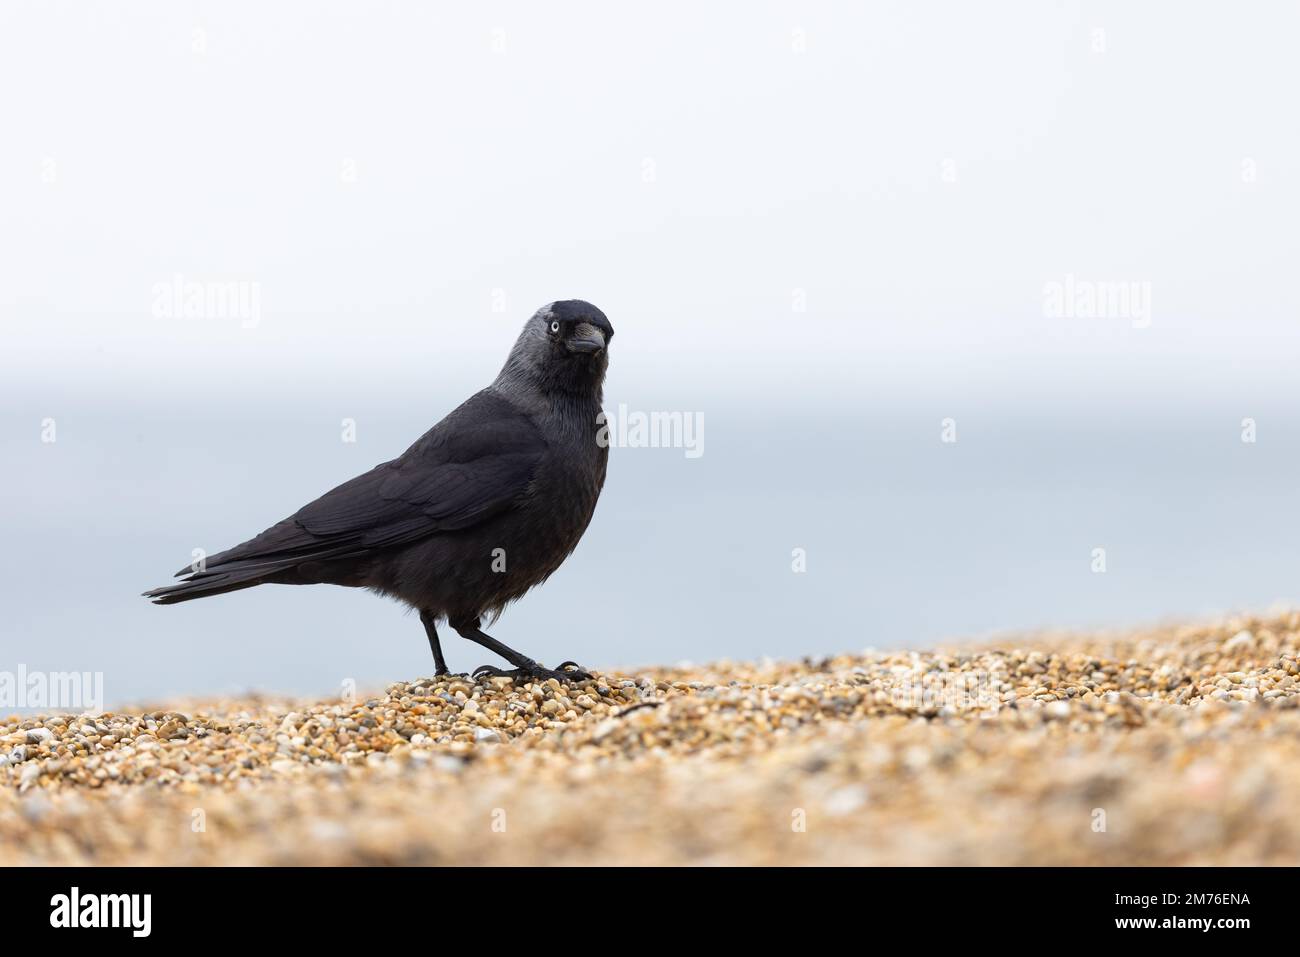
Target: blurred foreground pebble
[1170, 746]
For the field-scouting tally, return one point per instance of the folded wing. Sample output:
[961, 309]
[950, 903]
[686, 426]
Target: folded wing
[475, 464]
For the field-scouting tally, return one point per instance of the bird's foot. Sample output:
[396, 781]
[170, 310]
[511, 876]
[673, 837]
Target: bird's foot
[566, 671]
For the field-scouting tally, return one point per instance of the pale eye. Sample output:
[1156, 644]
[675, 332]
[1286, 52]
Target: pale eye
[555, 327]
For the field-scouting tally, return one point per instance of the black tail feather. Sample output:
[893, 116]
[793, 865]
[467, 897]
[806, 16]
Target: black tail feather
[206, 584]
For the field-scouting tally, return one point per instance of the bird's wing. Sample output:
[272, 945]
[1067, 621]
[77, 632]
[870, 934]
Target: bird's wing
[473, 465]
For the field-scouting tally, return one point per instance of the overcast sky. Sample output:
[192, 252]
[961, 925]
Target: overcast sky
[911, 175]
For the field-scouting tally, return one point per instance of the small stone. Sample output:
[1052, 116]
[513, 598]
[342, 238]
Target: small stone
[846, 800]
[1242, 639]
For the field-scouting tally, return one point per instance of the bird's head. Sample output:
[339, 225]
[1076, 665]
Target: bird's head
[563, 347]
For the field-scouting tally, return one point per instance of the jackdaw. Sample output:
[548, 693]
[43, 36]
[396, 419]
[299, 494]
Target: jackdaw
[481, 508]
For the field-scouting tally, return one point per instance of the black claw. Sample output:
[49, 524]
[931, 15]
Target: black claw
[568, 671]
[574, 671]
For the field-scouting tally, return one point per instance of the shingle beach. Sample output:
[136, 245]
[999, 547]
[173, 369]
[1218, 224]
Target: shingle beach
[1173, 745]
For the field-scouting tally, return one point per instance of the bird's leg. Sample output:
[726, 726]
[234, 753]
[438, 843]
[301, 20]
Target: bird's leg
[525, 667]
[439, 663]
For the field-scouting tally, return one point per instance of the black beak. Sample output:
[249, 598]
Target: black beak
[586, 338]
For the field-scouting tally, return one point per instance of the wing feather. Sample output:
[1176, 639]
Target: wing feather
[475, 464]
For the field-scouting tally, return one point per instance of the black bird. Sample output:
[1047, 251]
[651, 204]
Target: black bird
[481, 508]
